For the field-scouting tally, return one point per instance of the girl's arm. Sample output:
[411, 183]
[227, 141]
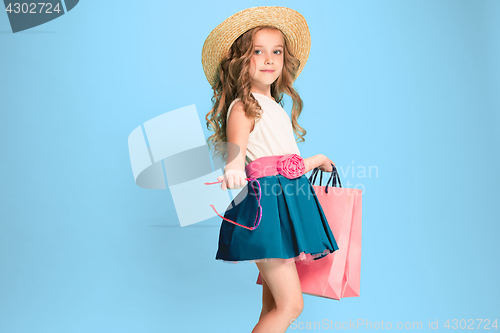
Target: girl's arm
[318, 161]
[313, 162]
[238, 130]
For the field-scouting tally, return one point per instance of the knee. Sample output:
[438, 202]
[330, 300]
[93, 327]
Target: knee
[298, 306]
[294, 308]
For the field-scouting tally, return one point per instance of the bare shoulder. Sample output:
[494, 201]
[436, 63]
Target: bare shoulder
[239, 117]
[238, 107]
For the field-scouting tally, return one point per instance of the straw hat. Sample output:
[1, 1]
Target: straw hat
[290, 22]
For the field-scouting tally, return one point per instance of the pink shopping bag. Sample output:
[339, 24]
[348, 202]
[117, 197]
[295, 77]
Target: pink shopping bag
[338, 274]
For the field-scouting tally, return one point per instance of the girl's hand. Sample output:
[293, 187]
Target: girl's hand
[233, 179]
[326, 166]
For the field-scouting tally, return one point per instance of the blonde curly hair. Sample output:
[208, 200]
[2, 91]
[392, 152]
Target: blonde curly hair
[233, 81]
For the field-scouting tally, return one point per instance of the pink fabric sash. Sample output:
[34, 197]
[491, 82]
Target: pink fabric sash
[290, 166]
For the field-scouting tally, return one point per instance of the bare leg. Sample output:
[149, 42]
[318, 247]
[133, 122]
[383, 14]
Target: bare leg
[283, 282]
[268, 302]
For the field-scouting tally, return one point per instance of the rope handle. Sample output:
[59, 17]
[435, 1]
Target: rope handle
[259, 213]
[333, 177]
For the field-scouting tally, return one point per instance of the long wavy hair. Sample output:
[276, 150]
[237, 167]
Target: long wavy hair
[233, 81]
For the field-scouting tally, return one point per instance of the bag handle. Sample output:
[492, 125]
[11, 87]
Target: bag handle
[334, 177]
[259, 212]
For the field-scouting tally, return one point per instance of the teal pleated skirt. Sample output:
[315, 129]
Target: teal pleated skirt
[293, 225]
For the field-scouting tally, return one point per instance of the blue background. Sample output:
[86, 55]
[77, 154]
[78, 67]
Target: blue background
[410, 88]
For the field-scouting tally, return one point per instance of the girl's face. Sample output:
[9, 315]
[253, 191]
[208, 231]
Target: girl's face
[266, 63]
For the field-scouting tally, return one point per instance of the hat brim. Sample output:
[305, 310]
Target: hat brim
[219, 41]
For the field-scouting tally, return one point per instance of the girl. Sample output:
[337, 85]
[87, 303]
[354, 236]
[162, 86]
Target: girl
[251, 59]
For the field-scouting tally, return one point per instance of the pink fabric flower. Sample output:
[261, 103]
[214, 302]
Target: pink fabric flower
[291, 166]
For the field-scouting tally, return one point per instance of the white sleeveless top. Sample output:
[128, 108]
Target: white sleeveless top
[272, 134]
